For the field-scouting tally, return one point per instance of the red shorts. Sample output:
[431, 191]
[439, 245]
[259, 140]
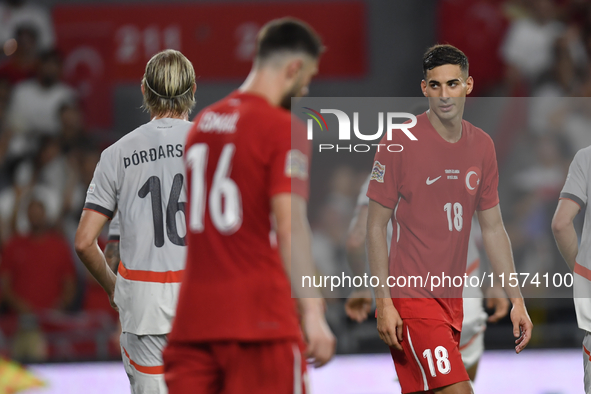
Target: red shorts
[273, 367]
[431, 356]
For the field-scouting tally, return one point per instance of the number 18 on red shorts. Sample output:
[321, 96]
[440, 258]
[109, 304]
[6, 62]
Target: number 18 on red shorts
[430, 357]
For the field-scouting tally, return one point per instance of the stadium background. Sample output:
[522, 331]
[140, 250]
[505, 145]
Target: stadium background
[59, 109]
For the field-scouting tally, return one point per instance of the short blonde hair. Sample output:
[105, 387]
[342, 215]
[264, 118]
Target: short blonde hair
[168, 84]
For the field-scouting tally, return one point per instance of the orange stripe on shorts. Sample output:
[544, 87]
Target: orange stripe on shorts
[157, 370]
[583, 271]
[151, 276]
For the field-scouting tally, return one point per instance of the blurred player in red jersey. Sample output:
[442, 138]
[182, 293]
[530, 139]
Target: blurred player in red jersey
[431, 190]
[237, 329]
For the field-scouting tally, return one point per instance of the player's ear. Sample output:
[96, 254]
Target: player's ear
[293, 68]
[424, 87]
[194, 87]
[469, 85]
[142, 88]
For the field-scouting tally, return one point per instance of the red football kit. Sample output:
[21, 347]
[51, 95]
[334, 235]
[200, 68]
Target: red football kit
[235, 304]
[434, 188]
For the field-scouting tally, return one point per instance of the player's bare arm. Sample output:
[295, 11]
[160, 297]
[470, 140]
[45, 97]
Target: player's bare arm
[358, 305]
[293, 231]
[498, 249]
[91, 224]
[389, 321]
[564, 230]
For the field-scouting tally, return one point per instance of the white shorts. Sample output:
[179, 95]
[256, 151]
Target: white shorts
[587, 361]
[142, 359]
[473, 326]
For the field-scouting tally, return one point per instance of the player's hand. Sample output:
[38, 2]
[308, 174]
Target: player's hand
[320, 340]
[522, 325]
[496, 300]
[390, 325]
[112, 301]
[358, 305]
[500, 306]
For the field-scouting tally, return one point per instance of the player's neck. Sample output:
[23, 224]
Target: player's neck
[184, 116]
[263, 82]
[449, 130]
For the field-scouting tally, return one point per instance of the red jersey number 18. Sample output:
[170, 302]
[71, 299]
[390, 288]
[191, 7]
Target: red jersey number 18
[458, 211]
[225, 202]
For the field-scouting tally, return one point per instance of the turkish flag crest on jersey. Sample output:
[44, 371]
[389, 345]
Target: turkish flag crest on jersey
[473, 177]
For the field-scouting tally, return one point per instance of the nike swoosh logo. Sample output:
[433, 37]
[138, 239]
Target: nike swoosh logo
[431, 181]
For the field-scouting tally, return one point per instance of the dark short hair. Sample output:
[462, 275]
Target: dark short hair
[288, 34]
[439, 55]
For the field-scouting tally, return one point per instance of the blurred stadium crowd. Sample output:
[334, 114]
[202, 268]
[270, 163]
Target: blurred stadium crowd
[51, 309]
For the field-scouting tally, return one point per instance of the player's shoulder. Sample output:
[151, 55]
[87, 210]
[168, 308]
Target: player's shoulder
[141, 132]
[478, 135]
[121, 142]
[243, 110]
[583, 156]
[585, 152]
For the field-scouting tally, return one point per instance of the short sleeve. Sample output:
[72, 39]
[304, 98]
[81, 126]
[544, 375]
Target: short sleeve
[114, 232]
[575, 187]
[290, 160]
[101, 195]
[384, 181]
[489, 197]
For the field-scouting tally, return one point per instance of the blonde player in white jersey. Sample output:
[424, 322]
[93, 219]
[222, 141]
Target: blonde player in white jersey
[142, 177]
[359, 303]
[573, 199]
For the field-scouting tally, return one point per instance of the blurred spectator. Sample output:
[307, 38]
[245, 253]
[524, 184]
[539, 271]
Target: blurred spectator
[14, 202]
[82, 162]
[528, 46]
[330, 229]
[72, 134]
[22, 63]
[549, 97]
[574, 123]
[456, 17]
[5, 91]
[546, 176]
[538, 188]
[37, 271]
[50, 166]
[14, 13]
[564, 76]
[34, 109]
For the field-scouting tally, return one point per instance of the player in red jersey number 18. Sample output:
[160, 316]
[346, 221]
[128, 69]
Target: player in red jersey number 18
[431, 190]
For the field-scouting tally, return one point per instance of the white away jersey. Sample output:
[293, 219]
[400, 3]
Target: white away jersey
[142, 176]
[577, 189]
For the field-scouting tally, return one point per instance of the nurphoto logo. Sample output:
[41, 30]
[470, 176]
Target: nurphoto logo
[344, 129]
